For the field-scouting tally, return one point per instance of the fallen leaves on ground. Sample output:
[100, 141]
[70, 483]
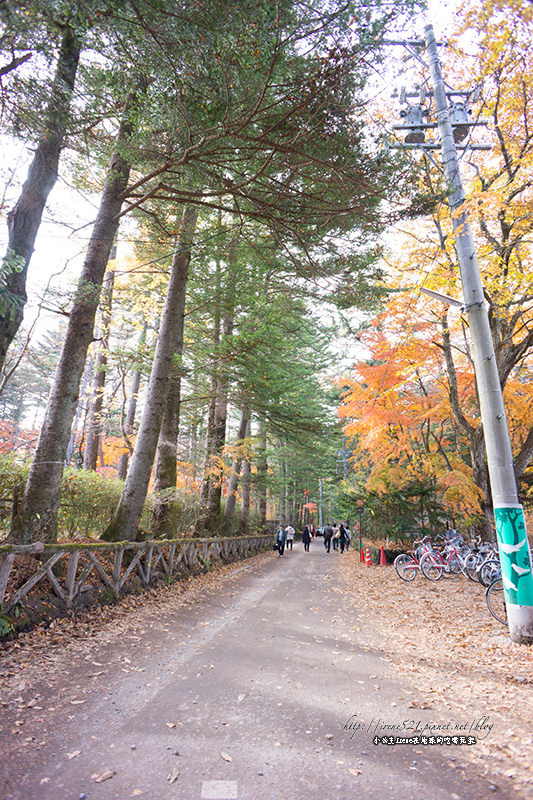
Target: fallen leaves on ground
[354, 771]
[444, 642]
[105, 776]
[36, 658]
[173, 776]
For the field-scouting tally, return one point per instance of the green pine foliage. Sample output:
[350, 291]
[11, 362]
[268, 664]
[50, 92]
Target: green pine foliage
[254, 112]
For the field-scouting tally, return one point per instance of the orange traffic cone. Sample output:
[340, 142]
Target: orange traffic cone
[382, 557]
[362, 556]
[368, 560]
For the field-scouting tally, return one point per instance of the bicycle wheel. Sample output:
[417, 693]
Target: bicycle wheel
[496, 601]
[420, 550]
[406, 567]
[454, 565]
[471, 566]
[431, 566]
[489, 571]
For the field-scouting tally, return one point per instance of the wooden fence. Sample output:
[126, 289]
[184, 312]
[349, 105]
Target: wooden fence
[68, 567]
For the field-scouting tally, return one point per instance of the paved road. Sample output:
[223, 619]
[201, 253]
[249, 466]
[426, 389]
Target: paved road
[245, 694]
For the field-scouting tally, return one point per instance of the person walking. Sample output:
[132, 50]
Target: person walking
[281, 538]
[289, 530]
[328, 533]
[348, 536]
[342, 537]
[335, 536]
[306, 538]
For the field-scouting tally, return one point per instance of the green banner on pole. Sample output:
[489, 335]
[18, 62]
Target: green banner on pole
[515, 555]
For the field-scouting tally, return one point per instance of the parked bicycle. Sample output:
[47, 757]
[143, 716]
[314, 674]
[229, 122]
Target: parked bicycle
[408, 564]
[456, 557]
[489, 570]
[494, 596]
[483, 551]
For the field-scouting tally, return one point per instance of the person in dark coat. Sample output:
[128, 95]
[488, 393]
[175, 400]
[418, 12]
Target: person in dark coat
[328, 533]
[306, 538]
[281, 538]
[342, 537]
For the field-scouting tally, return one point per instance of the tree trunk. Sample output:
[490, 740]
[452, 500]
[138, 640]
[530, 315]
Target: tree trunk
[474, 434]
[37, 517]
[80, 409]
[218, 438]
[283, 505]
[24, 219]
[481, 479]
[246, 486]
[166, 454]
[231, 495]
[93, 436]
[210, 437]
[127, 516]
[209, 447]
[129, 422]
[262, 470]
[288, 515]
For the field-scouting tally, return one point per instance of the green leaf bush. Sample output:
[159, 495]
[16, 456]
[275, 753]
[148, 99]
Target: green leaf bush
[88, 499]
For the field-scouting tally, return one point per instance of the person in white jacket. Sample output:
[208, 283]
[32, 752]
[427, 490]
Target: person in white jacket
[289, 530]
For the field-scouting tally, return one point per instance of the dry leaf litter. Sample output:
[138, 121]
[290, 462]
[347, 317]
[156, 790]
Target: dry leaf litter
[441, 639]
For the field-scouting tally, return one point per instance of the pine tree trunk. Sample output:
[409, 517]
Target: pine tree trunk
[288, 515]
[24, 220]
[209, 448]
[93, 436]
[246, 486]
[80, 409]
[162, 522]
[129, 422]
[126, 519]
[231, 495]
[283, 509]
[210, 438]
[218, 438]
[37, 517]
[262, 470]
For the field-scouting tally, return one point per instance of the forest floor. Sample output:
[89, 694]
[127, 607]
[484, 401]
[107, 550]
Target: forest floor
[442, 639]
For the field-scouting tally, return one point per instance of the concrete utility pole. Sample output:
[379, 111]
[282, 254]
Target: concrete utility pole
[515, 554]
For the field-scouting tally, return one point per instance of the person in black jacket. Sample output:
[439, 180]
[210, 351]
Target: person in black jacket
[342, 537]
[306, 538]
[328, 533]
[281, 538]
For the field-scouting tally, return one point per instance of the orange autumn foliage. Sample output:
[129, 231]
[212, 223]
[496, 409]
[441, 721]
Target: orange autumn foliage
[412, 412]
[397, 411]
